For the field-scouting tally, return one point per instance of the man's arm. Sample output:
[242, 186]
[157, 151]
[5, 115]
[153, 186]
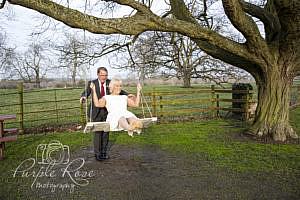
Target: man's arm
[86, 93]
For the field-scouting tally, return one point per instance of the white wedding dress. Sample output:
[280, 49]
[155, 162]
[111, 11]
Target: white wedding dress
[116, 106]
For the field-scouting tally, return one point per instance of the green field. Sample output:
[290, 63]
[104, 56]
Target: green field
[52, 107]
[215, 140]
[48, 108]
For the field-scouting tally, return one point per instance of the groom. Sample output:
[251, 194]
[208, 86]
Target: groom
[101, 138]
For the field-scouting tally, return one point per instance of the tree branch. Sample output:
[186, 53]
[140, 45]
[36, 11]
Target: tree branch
[2, 4]
[133, 4]
[218, 46]
[271, 21]
[128, 25]
[243, 23]
[180, 11]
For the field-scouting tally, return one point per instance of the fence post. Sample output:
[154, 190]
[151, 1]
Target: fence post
[82, 115]
[21, 104]
[213, 101]
[218, 106]
[160, 106]
[298, 95]
[246, 107]
[56, 106]
[154, 103]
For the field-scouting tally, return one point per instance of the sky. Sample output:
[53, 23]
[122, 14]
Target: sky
[24, 21]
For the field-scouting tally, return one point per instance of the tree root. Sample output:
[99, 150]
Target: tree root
[278, 132]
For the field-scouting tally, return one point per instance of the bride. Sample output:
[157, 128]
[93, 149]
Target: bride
[119, 117]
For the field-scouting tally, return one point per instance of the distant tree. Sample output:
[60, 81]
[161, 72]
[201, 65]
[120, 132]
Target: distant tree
[30, 65]
[2, 51]
[73, 55]
[173, 55]
[9, 59]
[35, 64]
[139, 57]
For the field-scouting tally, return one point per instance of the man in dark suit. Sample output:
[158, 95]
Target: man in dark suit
[97, 114]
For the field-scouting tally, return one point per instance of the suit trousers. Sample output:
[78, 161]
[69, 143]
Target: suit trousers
[101, 138]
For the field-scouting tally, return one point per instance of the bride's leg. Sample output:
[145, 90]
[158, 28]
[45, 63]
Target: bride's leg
[131, 119]
[123, 123]
[135, 124]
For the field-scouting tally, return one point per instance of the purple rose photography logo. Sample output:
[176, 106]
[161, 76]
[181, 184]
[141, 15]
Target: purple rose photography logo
[52, 169]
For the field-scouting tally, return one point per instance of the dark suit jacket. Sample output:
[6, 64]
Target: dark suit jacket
[98, 114]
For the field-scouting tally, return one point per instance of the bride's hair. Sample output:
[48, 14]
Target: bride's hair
[113, 82]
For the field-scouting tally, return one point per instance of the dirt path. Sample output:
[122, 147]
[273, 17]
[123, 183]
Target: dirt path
[151, 173]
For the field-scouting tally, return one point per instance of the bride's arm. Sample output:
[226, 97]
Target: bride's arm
[97, 102]
[135, 101]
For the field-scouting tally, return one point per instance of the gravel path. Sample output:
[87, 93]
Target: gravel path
[134, 172]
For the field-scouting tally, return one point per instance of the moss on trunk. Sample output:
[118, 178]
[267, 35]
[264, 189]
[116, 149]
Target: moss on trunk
[272, 114]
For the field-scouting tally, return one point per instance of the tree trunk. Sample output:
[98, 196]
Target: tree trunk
[37, 83]
[74, 70]
[272, 113]
[37, 78]
[186, 79]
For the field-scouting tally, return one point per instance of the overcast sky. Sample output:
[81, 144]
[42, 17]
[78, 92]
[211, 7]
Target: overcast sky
[24, 21]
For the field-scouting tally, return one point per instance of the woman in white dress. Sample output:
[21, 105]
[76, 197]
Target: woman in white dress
[119, 117]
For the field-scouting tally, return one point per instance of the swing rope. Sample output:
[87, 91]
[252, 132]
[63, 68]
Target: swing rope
[88, 69]
[142, 105]
[144, 100]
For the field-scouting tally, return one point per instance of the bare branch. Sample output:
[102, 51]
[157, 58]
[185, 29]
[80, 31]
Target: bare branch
[133, 4]
[2, 4]
[243, 23]
[271, 21]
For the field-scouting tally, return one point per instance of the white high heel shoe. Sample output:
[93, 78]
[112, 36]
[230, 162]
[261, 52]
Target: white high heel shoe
[130, 133]
[138, 131]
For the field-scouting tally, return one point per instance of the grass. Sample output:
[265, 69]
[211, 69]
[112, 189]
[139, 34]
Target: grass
[213, 139]
[203, 140]
[25, 148]
[26, 145]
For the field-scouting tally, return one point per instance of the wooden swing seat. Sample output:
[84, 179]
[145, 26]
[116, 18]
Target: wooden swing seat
[104, 126]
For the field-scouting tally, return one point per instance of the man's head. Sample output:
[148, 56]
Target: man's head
[102, 73]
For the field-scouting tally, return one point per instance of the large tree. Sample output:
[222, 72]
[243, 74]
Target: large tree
[273, 59]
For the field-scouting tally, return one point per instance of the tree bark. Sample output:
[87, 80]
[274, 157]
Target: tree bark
[74, 70]
[272, 113]
[37, 77]
[186, 80]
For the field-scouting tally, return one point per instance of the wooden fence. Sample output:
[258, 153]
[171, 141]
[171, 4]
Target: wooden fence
[197, 103]
[44, 110]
